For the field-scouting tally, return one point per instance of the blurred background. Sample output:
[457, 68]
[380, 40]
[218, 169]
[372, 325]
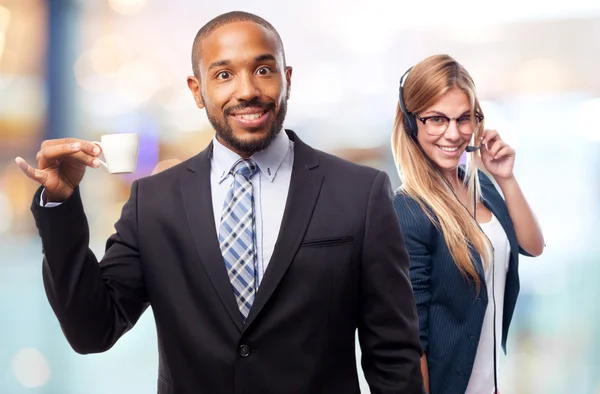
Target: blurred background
[84, 68]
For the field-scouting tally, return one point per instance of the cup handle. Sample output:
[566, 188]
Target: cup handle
[100, 145]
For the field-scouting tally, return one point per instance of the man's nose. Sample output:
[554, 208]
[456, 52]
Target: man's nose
[246, 88]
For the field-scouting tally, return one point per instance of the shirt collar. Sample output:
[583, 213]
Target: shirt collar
[268, 160]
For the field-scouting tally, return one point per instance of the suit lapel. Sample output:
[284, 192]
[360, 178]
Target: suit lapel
[493, 201]
[305, 185]
[478, 263]
[197, 200]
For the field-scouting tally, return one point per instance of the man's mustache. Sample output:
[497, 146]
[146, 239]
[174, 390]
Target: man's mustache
[254, 103]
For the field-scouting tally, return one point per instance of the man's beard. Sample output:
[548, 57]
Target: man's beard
[225, 132]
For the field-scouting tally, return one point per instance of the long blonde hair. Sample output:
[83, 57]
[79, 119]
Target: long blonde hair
[426, 83]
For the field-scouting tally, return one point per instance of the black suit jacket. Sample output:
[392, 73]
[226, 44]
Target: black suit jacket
[339, 263]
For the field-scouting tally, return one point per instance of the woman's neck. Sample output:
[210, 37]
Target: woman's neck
[452, 178]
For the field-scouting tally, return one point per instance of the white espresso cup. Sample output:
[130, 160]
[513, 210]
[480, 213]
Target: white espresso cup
[120, 152]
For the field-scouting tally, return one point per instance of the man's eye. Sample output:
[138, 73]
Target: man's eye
[223, 75]
[264, 71]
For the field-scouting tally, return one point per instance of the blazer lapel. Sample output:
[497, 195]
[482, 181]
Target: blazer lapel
[305, 185]
[493, 201]
[478, 263]
[197, 200]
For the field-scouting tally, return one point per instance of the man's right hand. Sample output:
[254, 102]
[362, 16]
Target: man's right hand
[61, 166]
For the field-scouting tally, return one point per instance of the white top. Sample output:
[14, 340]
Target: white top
[482, 376]
[270, 186]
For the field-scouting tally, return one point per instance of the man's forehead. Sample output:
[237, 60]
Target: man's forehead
[236, 40]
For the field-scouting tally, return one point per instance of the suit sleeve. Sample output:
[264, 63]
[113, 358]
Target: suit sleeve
[388, 327]
[95, 303]
[414, 224]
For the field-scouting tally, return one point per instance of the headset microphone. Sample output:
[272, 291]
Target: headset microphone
[469, 149]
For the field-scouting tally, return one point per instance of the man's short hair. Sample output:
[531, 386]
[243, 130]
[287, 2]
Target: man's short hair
[225, 19]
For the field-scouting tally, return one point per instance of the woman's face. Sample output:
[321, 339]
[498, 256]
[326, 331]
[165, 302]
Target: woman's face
[445, 148]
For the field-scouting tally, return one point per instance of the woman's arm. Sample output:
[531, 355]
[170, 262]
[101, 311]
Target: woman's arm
[529, 233]
[499, 159]
[415, 230]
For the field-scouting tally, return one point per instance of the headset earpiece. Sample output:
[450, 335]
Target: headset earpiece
[410, 124]
[410, 121]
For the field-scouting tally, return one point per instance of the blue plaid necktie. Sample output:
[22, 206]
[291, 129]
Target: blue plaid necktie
[236, 235]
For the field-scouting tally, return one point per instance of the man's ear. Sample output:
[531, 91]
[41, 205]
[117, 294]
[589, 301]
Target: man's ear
[288, 81]
[194, 85]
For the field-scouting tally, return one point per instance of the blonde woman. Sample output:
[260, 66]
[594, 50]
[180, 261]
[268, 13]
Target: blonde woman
[463, 237]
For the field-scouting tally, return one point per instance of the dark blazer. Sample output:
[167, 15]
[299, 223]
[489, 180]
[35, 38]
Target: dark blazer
[450, 310]
[339, 263]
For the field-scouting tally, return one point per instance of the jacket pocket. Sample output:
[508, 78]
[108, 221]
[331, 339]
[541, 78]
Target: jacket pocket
[327, 241]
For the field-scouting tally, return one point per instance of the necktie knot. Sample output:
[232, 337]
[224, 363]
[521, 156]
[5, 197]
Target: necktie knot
[244, 167]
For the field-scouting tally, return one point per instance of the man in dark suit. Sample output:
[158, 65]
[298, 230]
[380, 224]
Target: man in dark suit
[260, 256]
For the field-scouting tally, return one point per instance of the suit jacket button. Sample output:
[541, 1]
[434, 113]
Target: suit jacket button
[244, 351]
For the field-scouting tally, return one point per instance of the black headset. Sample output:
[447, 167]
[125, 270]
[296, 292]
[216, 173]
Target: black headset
[410, 121]
[410, 125]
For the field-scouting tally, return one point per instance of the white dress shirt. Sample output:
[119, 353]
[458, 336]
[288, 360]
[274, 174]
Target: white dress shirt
[270, 186]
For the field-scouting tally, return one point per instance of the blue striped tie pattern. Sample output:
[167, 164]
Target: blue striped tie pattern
[236, 235]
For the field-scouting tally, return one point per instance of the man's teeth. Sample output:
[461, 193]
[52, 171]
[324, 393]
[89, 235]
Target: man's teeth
[448, 149]
[250, 116]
